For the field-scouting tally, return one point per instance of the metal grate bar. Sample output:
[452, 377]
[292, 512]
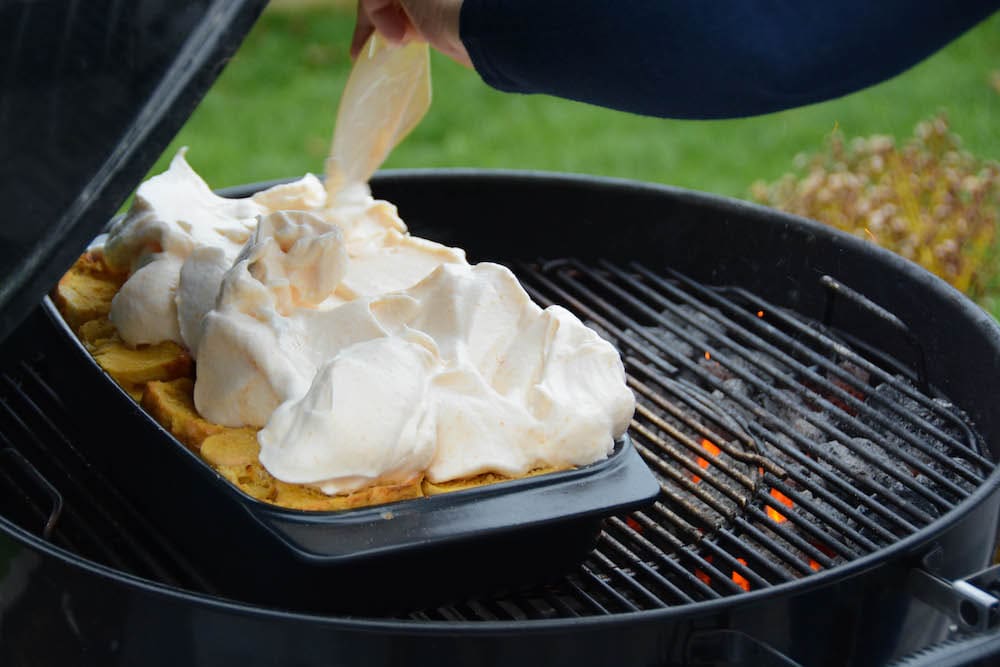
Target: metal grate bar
[806, 526]
[84, 536]
[776, 396]
[745, 331]
[93, 507]
[664, 468]
[718, 463]
[612, 594]
[677, 549]
[622, 572]
[781, 531]
[771, 422]
[807, 463]
[836, 348]
[695, 425]
[580, 592]
[618, 530]
[21, 498]
[694, 469]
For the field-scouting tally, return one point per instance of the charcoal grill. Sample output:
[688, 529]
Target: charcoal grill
[820, 413]
[817, 410]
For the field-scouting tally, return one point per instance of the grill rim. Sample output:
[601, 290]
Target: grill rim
[907, 546]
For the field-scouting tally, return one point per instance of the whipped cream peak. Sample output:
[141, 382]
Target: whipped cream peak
[300, 257]
[173, 213]
[175, 220]
[365, 440]
[304, 194]
[508, 388]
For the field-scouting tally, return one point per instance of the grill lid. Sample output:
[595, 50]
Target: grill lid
[90, 95]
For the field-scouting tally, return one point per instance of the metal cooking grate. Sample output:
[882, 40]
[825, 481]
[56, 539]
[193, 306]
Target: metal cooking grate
[48, 487]
[781, 447]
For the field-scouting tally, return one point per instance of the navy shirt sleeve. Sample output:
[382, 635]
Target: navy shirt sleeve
[704, 58]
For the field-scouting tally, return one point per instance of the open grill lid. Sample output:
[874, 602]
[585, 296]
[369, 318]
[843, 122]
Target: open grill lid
[90, 95]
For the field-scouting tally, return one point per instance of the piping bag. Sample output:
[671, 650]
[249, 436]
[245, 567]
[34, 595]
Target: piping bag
[387, 93]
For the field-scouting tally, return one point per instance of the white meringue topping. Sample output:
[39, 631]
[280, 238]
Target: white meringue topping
[365, 355]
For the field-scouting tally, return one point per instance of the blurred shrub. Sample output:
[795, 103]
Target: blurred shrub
[928, 200]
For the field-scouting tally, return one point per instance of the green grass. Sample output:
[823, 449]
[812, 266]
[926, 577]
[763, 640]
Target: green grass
[271, 115]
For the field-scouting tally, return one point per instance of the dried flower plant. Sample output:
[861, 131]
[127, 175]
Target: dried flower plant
[929, 200]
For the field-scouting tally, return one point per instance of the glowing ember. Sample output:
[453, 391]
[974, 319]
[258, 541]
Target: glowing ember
[782, 498]
[709, 447]
[774, 514]
[825, 549]
[760, 313]
[814, 565]
[708, 356]
[740, 580]
[704, 578]
[633, 524]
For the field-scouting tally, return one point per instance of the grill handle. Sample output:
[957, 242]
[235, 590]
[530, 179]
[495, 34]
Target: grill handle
[973, 605]
[722, 648]
[971, 602]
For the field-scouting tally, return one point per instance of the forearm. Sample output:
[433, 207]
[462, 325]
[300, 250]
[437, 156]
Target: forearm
[695, 59]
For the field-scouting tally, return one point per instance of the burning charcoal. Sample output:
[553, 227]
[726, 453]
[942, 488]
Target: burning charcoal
[860, 374]
[859, 469]
[784, 404]
[680, 347]
[963, 463]
[694, 315]
[675, 346]
[886, 396]
[807, 429]
[734, 387]
[760, 360]
[833, 517]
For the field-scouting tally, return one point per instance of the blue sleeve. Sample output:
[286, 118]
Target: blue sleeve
[705, 58]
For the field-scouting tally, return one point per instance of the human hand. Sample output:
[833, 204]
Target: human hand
[401, 21]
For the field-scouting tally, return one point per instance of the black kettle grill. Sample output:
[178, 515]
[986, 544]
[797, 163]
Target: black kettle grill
[819, 413]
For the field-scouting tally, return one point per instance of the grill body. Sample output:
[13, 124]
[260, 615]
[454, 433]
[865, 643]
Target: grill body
[862, 612]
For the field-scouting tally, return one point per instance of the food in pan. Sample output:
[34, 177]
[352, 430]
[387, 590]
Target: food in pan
[320, 357]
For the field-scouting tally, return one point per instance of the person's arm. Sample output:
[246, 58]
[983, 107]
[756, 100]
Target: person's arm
[702, 59]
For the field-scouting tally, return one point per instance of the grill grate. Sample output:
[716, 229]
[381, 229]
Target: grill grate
[60, 496]
[782, 448]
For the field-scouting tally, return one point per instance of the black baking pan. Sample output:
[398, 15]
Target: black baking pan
[485, 537]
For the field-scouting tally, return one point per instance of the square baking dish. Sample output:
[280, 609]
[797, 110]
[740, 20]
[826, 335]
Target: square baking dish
[423, 548]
